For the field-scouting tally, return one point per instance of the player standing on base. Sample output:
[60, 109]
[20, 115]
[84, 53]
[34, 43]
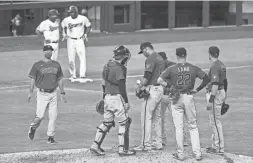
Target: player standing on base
[182, 76]
[46, 75]
[115, 103]
[151, 109]
[76, 29]
[216, 95]
[50, 29]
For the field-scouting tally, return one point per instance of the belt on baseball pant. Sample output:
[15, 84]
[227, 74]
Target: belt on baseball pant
[75, 38]
[112, 94]
[55, 42]
[46, 90]
[154, 85]
[209, 91]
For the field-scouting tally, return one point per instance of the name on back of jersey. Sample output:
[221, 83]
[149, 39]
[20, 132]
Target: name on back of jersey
[183, 69]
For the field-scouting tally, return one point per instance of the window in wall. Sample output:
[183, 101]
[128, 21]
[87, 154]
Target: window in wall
[121, 14]
[188, 14]
[222, 13]
[154, 14]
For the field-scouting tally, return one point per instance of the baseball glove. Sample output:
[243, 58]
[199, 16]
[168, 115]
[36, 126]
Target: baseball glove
[100, 107]
[224, 108]
[143, 93]
[174, 94]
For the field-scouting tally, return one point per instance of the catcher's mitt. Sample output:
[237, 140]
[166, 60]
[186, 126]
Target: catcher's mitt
[142, 93]
[224, 108]
[100, 107]
[174, 94]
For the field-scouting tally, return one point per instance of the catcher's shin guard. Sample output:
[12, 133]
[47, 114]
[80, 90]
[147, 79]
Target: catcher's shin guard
[124, 133]
[102, 131]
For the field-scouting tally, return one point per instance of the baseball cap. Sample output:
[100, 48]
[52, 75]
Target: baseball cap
[145, 45]
[53, 12]
[181, 52]
[73, 9]
[163, 55]
[47, 48]
[214, 51]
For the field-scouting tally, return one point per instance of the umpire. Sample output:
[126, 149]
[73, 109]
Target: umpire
[46, 75]
[151, 110]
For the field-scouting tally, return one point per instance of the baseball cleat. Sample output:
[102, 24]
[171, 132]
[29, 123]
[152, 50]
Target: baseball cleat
[198, 157]
[175, 156]
[97, 152]
[31, 133]
[72, 79]
[127, 153]
[85, 80]
[186, 144]
[213, 151]
[141, 148]
[51, 140]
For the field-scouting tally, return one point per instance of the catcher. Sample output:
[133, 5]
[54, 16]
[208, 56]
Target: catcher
[182, 76]
[151, 92]
[216, 95]
[115, 103]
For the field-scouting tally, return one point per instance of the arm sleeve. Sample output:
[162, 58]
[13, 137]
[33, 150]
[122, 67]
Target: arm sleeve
[204, 83]
[147, 75]
[165, 75]
[41, 27]
[225, 85]
[122, 89]
[200, 73]
[149, 65]
[120, 74]
[214, 75]
[63, 24]
[87, 22]
[33, 72]
[59, 73]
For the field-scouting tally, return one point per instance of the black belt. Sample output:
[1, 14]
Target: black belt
[208, 91]
[112, 94]
[155, 84]
[75, 38]
[53, 41]
[46, 90]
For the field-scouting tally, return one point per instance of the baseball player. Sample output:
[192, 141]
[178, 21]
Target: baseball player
[50, 29]
[216, 95]
[76, 29]
[151, 109]
[115, 103]
[46, 75]
[165, 102]
[182, 76]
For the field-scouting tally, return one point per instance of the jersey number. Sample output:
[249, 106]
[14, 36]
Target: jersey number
[183, 79]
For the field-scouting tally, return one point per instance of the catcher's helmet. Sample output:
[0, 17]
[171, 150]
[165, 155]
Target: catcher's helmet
[121, 52]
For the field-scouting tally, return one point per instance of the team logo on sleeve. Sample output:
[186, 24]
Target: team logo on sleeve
[148, 65]
[214, 77]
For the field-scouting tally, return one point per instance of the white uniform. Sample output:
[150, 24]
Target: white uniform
[75, 43]
[51, 33]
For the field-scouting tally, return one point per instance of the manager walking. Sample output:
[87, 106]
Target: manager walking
[46, 75]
